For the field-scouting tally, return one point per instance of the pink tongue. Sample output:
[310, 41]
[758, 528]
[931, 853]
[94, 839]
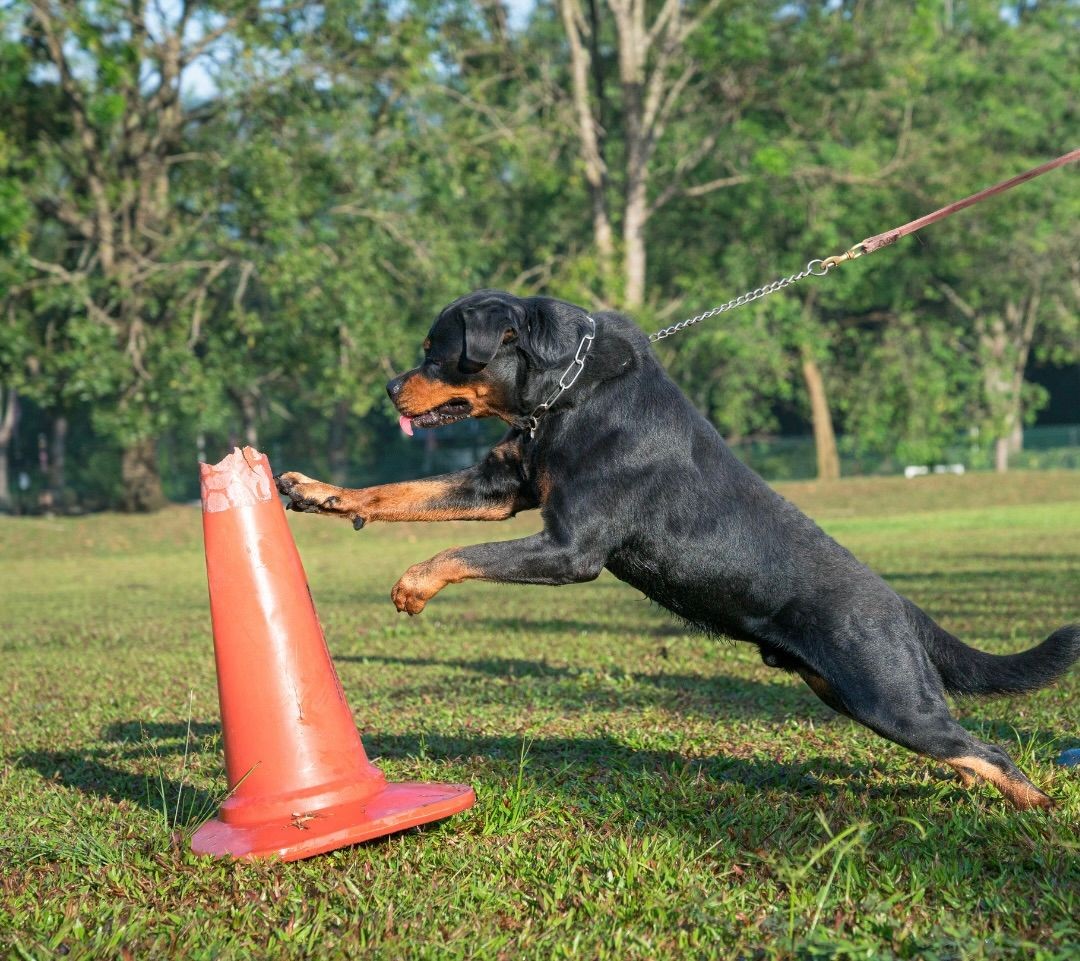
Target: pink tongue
[405, 423]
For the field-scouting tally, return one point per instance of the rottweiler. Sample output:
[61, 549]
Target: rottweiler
[629, 476]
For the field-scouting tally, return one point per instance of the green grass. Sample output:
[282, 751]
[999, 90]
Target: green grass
[643, 792]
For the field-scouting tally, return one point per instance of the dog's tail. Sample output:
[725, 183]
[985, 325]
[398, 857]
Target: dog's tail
[968, 671]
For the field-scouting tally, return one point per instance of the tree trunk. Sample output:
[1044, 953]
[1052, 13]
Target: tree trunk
[9, 416]
[142, 480]
[338, 454]
[637, 213]
[250, 413]
[58, 462]
[1011, 440]
[590, 129]
[1016, 437]
[7, 503]
[828, 460]
[1001, 455]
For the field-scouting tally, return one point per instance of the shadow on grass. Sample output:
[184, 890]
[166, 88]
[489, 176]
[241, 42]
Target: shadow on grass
[561, 625]
[576, 765]
[154, 731]
[1006, 577]
[88, 772]
[140, 744]
[586, 772]
[717, 696]
[598, 775]
[583, 771]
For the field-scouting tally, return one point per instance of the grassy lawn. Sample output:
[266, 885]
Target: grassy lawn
[643, 792]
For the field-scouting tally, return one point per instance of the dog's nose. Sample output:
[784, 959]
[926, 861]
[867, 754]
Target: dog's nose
[394, 387]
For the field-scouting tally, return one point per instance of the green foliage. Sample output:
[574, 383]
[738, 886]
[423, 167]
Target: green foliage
[318, 182]
[906, 397]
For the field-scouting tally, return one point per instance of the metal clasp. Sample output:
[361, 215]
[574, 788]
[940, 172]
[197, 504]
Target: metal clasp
[850, 254]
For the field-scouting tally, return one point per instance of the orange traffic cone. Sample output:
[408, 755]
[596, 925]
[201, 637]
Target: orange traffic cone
[299, 780]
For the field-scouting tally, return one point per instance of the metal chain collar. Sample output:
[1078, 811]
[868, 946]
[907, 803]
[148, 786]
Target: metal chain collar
[816, 268]
[566, 381]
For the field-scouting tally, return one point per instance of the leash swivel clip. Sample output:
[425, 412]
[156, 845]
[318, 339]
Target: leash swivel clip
[851, 253]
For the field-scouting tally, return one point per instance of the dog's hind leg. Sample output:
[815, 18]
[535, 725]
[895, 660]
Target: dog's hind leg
[905, 705]
[824, 691]
[775, 657]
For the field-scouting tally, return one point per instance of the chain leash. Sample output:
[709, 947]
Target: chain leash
[816, 268]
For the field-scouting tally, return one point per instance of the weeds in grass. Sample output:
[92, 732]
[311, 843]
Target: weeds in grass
[511, 812]
[184, 815]
[839, 846]
[181, 816]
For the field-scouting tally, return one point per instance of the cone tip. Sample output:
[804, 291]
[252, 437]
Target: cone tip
[237, 480]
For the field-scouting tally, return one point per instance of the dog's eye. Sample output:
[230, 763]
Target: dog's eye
[510, 335]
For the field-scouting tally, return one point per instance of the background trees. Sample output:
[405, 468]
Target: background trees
[226, 221]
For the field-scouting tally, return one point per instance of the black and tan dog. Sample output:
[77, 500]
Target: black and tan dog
[629, 476]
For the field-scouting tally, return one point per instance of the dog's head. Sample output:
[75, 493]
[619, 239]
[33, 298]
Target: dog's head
[488, 354]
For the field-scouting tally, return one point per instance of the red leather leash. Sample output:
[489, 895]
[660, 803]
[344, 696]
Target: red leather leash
[878, 241]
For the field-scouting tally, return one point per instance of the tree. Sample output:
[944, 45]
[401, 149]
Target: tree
[117, 233]
[14, 220]
[659, 82]
[819, 141]
[393, 171]
[1007, 269]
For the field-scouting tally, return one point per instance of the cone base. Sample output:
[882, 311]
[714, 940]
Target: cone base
[395, 808]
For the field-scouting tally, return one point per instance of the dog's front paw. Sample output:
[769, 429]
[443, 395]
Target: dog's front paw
[414, 589]
[305, 494]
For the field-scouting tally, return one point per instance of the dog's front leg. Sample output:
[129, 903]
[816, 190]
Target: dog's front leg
[540, 559]
[493, 490]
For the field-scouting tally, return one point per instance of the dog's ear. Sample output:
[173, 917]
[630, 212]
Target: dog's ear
[487, 325]
[553, 332]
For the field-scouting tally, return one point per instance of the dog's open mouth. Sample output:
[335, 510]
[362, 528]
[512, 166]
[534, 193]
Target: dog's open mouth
[448, 413]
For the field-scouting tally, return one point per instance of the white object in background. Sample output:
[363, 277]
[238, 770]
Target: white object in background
[921, 470]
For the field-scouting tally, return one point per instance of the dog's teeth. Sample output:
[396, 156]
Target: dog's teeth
[405, 423]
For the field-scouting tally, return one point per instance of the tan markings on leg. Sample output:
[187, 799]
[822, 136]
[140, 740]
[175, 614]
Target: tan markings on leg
[967, 779]
[508, 453]
[407, 501]
[420, 501]
[1021, 794]
[421, 582]
[817, 684]
[824, 690]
